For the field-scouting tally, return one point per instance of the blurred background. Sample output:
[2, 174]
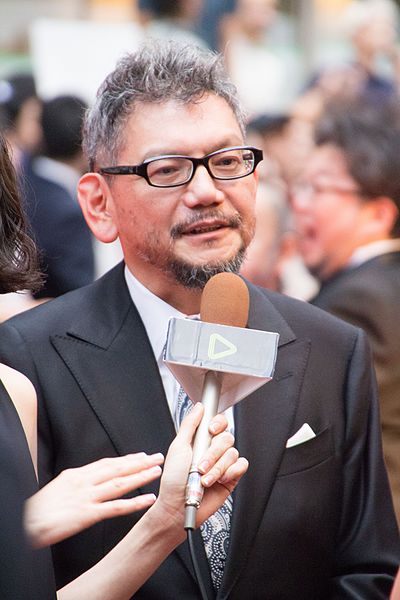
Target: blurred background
[36, 35]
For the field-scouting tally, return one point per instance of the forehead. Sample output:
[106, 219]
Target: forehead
[327, 160]
[175, 128]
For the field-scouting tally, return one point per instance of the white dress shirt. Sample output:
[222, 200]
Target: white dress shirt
[155, 314]
[373, 249]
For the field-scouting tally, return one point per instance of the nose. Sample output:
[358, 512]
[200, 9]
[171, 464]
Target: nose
[202, 190]
[299, 198]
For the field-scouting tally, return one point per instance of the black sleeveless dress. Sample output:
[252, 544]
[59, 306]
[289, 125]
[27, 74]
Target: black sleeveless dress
[25, 574]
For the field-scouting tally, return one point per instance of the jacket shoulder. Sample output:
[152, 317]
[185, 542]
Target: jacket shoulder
[58, 313]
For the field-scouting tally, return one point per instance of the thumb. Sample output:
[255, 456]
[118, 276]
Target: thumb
[190, 423]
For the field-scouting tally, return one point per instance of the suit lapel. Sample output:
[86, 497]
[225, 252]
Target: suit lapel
[107, 350]
[263, 423]
[108, 353]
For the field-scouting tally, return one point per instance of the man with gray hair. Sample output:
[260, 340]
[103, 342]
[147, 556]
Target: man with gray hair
[172, 177]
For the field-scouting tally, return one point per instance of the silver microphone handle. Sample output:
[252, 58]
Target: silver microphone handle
[194, 489]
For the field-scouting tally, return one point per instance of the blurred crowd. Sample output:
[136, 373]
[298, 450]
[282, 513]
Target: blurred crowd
[328, 203]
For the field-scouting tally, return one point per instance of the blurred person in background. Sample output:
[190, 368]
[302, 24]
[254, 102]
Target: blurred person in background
[214, 17]
[20, 109]
[49, 187]
[273, 242]
[372, 67]
[347, 214]
[373, 29]
[273, 259]
[163, 19]
[271, 131]
[261, 62]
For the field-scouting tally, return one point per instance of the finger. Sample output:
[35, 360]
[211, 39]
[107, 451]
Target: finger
[216, 473]
[218, 424]
[119, 486]
[106, 468]
[190, 423]
[233, 474]
[219, 445]
[116, 508]
[95, 468]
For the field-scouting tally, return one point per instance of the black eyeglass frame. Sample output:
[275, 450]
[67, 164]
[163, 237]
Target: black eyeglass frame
[141, 169]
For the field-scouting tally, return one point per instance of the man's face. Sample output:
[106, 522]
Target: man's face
[329, 212]
[206, 223]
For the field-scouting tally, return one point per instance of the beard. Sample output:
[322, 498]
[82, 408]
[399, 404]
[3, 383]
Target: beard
[195, 276]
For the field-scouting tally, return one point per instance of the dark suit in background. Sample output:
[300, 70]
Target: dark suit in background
[369, 296]
[49, 186]
[61, 234]
[314, 521]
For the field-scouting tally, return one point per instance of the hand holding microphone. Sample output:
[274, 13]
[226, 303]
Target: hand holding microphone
[218, 362]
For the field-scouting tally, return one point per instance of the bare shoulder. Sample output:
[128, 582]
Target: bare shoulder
[23, 396]
[17, 385]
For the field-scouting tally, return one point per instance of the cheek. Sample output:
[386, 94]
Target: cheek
[246, 206]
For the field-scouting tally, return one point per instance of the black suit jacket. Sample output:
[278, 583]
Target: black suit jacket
[312, 521]
[61, 233]
[368, 296]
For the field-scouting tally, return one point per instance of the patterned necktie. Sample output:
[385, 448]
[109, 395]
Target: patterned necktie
[215, 531]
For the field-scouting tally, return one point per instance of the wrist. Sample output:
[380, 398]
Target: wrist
[167, 521]
[36, 529]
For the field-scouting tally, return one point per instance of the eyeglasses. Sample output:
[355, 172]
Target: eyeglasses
[174, 170]
[307, 190]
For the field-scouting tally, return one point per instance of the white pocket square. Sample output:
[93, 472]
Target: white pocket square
[304, 434]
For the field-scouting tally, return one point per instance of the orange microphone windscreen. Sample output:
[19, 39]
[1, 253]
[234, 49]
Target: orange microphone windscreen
[225, 301]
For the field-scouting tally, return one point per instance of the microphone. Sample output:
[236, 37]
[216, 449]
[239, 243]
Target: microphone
[218, 361]
[224, 301]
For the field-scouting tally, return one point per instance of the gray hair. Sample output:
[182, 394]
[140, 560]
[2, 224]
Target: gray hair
[159, 71]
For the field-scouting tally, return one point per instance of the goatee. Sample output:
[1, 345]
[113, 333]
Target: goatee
[196, 277]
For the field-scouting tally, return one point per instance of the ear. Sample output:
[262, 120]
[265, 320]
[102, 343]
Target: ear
[95, 199]
[382, 214]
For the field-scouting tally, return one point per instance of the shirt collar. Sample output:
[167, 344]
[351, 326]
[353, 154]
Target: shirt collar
[373, 249]
[154, 312]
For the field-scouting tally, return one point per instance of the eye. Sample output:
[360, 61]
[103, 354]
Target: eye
[168, 170]
[227, 162]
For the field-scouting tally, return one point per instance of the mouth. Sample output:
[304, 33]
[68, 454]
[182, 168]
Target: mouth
[203, 227]
[305, 230]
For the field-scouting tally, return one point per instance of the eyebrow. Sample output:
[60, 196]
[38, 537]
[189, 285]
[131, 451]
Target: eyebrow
[225, 143]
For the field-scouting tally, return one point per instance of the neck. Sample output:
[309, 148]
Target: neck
[185, 300]
[163, 285]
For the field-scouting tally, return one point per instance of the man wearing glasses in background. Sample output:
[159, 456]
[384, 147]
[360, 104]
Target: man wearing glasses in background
[347, 210]
[172, 177]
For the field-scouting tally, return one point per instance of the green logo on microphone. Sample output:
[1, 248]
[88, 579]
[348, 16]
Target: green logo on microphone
[218, 347]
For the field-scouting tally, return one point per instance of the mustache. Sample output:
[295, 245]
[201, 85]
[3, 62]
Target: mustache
[234, 221]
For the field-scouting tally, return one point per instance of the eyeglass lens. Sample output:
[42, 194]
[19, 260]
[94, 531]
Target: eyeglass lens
[228, 164]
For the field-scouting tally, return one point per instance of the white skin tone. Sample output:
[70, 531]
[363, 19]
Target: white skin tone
[395, 595]
[161, 530]
[80, 497]
[143, 216]
[336, 220]
[23, 395]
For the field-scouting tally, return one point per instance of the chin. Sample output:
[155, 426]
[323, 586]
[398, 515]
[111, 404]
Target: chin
[195, 275]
